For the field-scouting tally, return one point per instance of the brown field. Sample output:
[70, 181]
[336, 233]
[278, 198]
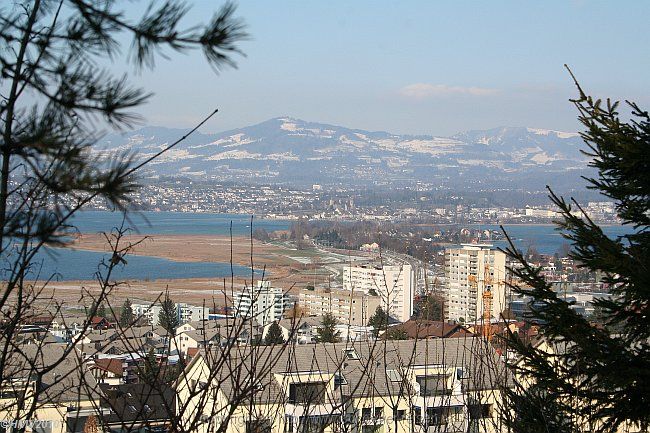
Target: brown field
[279, 268]
[192, 248]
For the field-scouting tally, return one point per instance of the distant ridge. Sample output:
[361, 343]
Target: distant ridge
[289, 150]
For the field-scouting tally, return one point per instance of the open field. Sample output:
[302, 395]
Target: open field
[193, 248]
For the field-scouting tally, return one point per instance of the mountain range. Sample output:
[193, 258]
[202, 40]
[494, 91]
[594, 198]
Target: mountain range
[294, 151]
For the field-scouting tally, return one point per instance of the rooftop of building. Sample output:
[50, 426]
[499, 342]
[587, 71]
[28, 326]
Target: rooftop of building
[364, 368]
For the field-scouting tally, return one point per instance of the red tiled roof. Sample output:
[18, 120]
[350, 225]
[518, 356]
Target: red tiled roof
[111, 365]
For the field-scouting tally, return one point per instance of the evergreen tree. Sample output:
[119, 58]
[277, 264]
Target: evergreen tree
[168, 316]
[274, 335]
[395, 334]
[429, 307]
[596, 379]
[378, 321]
[149, 371]
[327, 333]
[61, 93]
[126, 314]
[101, 310]
[257, 340]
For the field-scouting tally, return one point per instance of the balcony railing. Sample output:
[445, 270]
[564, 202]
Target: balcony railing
[298, 410]
[372, 420]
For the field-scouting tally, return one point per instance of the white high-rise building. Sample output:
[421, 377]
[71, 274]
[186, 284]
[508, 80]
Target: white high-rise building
[467, 279]
[262, 302]
[394, 284]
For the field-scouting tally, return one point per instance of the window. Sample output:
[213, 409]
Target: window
[43, 426]
[417, 415]
[399, 414]
[288, 424]
[434, 384]
[351, 354]
[366, 413]
[437, 415]
[9, 393]
[262, 425]
[478, 411]
[339, 380]
[307, 393]
[314, 424]
[379, 412]
[441, 415]
[76, 424]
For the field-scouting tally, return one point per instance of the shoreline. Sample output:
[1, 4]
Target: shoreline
[291, 218]
[277, 263]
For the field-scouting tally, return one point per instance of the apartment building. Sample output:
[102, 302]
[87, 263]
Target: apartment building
[394, 284]
[437, 386]
[262, 302]
[348, 307]
[185, 312]
[540, 213]
[470, 271]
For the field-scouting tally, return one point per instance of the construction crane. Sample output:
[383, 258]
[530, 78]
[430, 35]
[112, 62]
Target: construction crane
[487, 304]
[487, 300]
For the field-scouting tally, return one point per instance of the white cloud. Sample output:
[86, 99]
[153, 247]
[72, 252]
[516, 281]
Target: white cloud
[425, 90]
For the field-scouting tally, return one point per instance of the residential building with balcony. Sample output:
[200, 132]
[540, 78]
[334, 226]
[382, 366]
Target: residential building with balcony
[185, 312]
[347, 306]
[426, 386]
[393, 284]
[263, 303]
[470, 270]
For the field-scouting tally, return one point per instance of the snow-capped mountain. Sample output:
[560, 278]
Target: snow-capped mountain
[540, 146]
[291, 150]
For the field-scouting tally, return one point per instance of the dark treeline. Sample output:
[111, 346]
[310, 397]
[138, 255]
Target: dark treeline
[420, 242]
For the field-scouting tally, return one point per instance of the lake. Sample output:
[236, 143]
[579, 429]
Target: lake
[81, 265]
[545, 238]
[68, 264]
[178, 223]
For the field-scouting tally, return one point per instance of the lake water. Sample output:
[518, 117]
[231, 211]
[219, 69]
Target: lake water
[179, 223]
[81, 265]
[66, 264]
[545, 238]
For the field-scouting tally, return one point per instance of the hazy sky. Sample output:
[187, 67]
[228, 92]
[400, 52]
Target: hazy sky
[411, 66]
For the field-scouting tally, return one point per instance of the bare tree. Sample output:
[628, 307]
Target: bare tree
[56, 101]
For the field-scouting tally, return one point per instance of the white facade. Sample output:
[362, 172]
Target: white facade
[185, 312]
[540, 213]
[464, 300]
[264, 303]
[394, 284]
[191, 313]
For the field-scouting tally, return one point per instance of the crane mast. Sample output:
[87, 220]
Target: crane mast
[487, 300]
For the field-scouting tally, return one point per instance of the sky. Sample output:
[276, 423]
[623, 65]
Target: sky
[416, 67]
